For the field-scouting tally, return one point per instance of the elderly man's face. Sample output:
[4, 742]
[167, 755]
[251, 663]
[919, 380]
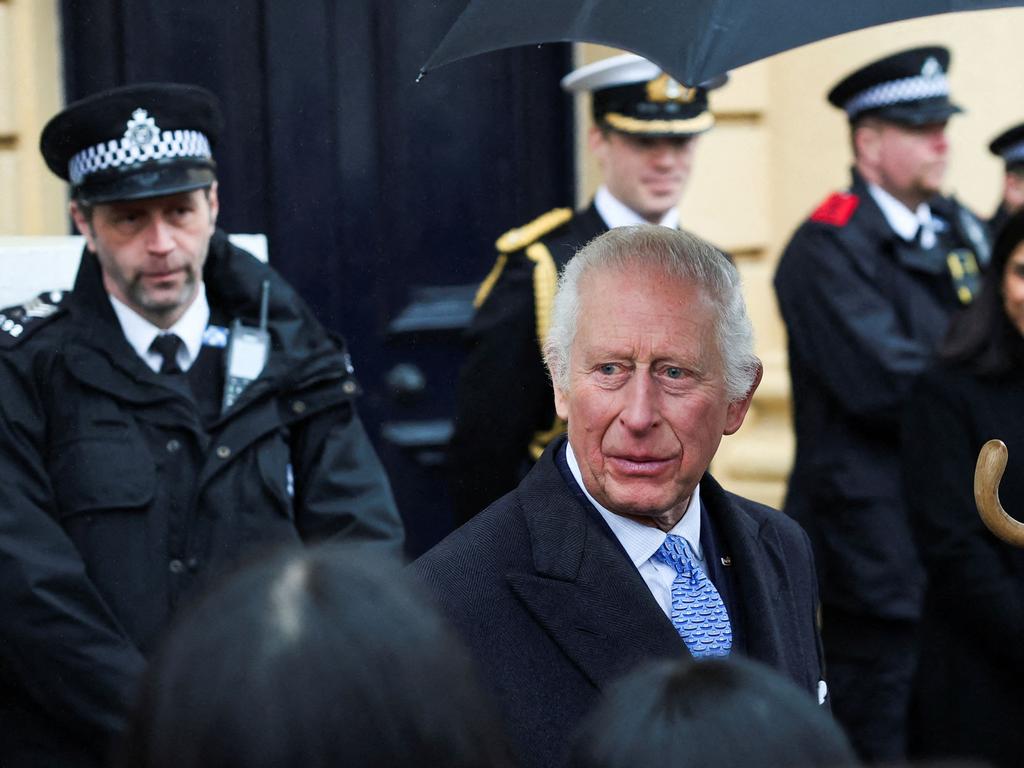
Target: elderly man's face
[152, 251]
[646, 403]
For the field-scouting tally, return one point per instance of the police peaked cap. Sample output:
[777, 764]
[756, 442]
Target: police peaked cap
[1009, 145]
[632, 95]
[134, 142]
[909, 87]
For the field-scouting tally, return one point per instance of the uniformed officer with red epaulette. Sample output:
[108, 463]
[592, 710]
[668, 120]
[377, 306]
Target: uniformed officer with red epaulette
[866, 288]
[644, 137]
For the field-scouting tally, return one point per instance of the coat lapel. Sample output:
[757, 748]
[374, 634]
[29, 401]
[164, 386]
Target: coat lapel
[757, 560]
[583, 590]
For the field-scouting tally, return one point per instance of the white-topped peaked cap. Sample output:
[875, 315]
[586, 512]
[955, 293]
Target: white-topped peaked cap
[633, 95]
[624, 69]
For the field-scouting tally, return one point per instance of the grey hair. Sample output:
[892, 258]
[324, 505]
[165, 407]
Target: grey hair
[677, 255]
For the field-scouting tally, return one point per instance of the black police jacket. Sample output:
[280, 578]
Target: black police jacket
[117, 503]
[864, 311]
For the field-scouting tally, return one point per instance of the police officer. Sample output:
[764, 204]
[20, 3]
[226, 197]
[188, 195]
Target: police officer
[866, 287]
[129, 479]
[1008, 146]
[644, 137]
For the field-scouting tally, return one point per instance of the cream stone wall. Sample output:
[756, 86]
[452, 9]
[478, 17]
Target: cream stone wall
[30, 93]
[779, 149]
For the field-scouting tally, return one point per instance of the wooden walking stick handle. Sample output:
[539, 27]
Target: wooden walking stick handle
[987, 474]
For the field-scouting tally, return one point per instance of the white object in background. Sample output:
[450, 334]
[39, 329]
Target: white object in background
[33, 264]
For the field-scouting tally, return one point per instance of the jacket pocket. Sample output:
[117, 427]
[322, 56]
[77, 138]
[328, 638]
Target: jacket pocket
[106, 469]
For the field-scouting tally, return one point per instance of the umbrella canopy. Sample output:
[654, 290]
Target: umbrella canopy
[693, 40]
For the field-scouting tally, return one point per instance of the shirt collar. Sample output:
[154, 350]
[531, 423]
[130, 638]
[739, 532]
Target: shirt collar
[903, 221]
[642, 541]
[190, 328]
[617, 214]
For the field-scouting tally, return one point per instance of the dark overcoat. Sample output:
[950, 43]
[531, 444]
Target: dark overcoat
[553, 609]
[967, 694]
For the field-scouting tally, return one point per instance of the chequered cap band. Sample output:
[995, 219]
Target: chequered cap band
[1013, 153]
[899, 91]
[124, 152]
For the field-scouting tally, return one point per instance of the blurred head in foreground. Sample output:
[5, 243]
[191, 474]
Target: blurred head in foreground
[317, 657]
[729, 713]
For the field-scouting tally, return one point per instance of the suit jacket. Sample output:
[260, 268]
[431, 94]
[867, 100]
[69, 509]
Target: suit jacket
[553, 610]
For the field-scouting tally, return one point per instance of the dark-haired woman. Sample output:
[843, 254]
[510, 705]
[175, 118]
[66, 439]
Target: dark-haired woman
[968, 700]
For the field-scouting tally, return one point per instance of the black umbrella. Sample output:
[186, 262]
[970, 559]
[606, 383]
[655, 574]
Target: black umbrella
[693, 40]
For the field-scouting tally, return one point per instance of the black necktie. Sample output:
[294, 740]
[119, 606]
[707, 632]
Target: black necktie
[167, 345]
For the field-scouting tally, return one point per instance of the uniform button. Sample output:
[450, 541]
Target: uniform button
[223, 452]
[349, 387]
[176, 566]
[299, 407]
[173, 446]
[193, 564]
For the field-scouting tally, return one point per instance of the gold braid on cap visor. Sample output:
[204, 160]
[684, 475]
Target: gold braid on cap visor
[701, 122]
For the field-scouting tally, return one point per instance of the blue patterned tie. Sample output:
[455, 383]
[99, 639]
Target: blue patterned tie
[698, 612]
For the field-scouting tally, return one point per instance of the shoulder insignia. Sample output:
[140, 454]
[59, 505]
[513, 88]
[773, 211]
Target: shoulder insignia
[545, 280]
[837, 209]
[520, 237]
[19, 321]
[488, 284]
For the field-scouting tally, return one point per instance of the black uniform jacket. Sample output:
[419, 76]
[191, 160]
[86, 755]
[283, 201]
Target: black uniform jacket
[967, 695]
[505, 403]
[553, 609]
[864, 311]
[998, 219]
[117, 501]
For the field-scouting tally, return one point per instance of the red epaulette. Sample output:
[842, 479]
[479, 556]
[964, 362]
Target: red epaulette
[837, 209]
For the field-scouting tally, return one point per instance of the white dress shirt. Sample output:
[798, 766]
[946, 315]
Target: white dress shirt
[190, 329]
[904, 221]
[617, 214]
[642, 541]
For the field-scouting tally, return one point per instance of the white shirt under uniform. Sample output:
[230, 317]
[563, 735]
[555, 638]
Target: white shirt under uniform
[190, 328]
[617, 214]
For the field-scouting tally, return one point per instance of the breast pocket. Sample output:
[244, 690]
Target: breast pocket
[104, 480]
[104, 483]
[109, 469]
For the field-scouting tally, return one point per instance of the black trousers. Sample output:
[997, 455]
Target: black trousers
[870, 665]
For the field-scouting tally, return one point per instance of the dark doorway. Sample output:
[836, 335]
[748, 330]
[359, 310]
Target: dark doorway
[381, 197]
